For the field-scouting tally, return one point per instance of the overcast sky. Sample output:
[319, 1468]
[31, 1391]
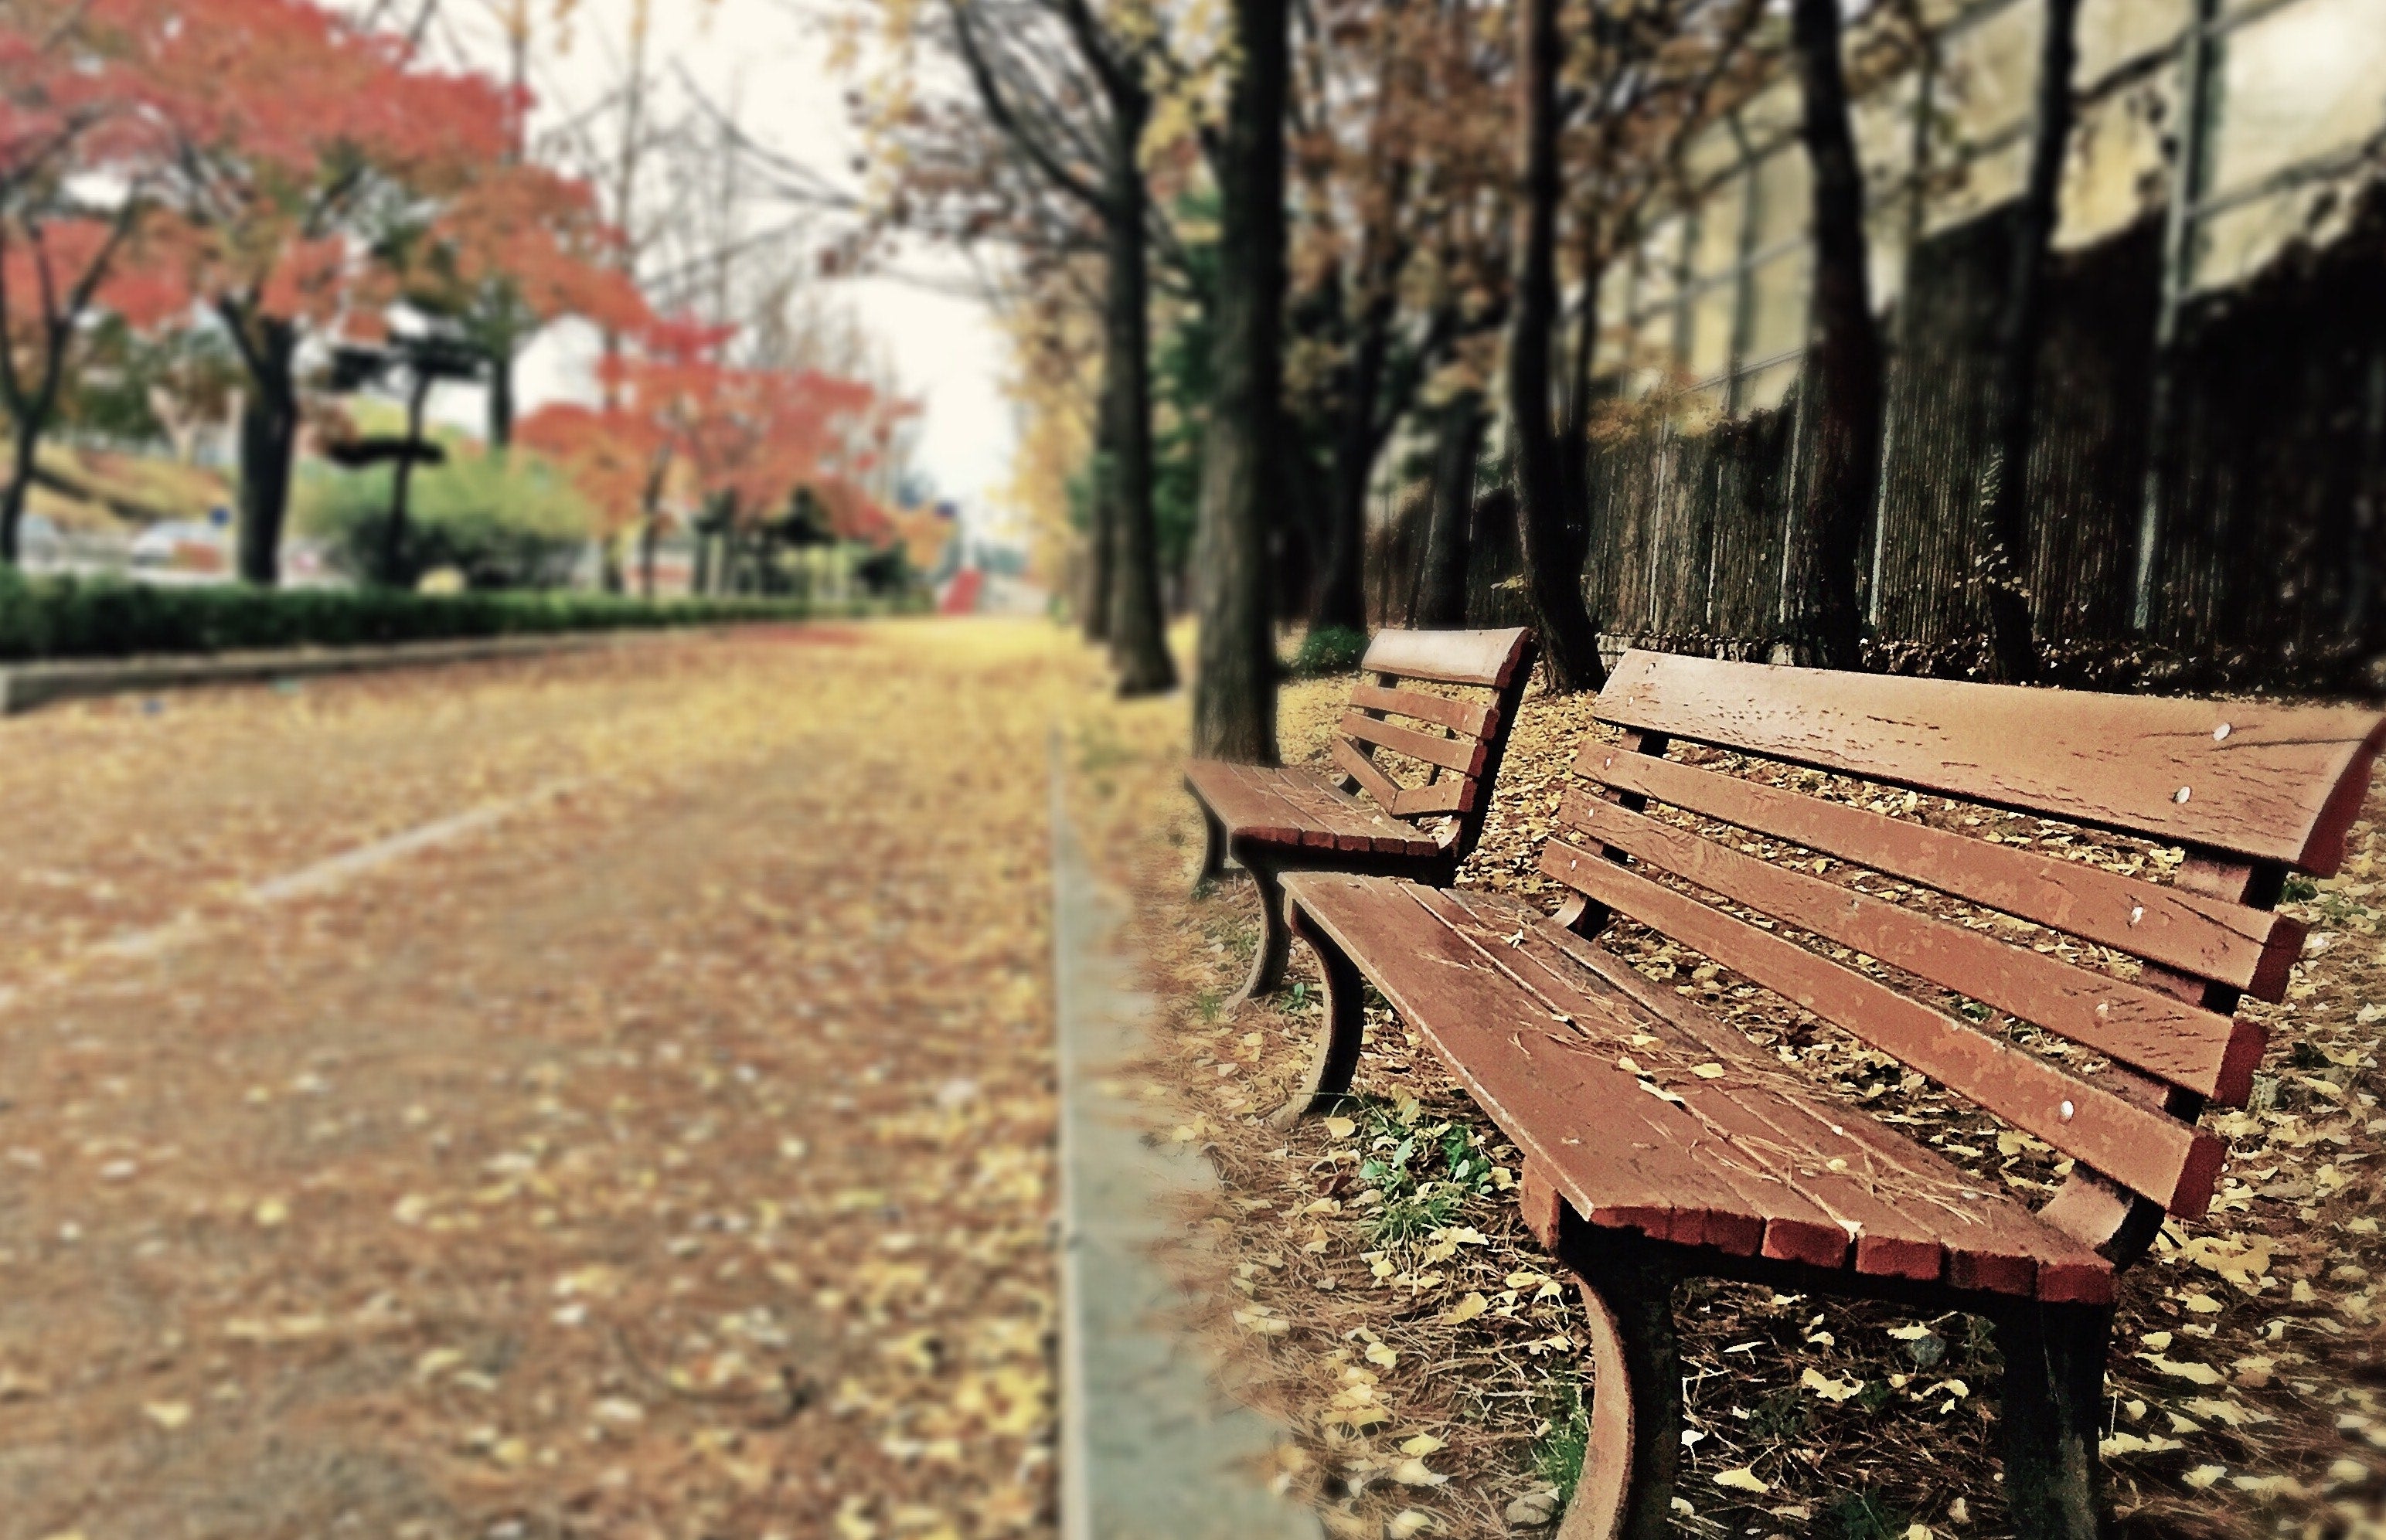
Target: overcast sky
[945, 348]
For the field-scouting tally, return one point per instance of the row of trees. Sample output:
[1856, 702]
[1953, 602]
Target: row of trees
[284, 184]
[1366, 214]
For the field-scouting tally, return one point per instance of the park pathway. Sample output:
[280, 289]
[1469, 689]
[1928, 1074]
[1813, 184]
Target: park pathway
[605, 1096]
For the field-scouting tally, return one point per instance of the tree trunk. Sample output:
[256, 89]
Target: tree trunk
[1137, 628]
[1102, 536]
[1233, 697]
[1845, 367]
[1441, 573]
[649, 538]
[401, 482]
[269, 439]
[27, 443]
[2005, 513]
[1574, 433]
[1342, 587]
[1552, 558]
[501, 396]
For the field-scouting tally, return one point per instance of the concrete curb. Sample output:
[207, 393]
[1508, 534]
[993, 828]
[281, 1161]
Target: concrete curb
[1149, 1449]
[27, 686]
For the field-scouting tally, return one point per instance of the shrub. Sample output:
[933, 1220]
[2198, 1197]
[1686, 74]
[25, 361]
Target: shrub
[71, 616]
[509, 521]
[1329, 650]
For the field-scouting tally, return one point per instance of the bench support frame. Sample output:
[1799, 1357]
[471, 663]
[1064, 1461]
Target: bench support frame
[2050, 1398]
[2051, 1413]
[1327, 1079]
[1635, 1453]
[1268, 864]
[1213, 850]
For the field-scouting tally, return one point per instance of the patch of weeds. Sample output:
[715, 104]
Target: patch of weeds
[1329, 650]
[1425, 1175]
[1297, 998]
[2300, 889]
[1557, 1451]
[1980, 1344]
[1780, 1418]
[1859, 1515]
[1207, 1005]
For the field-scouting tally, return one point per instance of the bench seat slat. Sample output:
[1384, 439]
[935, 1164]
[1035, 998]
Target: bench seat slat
[1245, 808]
[2281, 783]
[2173, 1163]
[1632, 1162]
[1464, 755]
[1914, 1215]
[1293, 806]
[1736, 1113]
[2199, 1049]
[2232, 944]
[1742, 1162]
[1467, 718]
[1819, 1238]
[2005, 1243]
[1282, 815]
[1355, 825]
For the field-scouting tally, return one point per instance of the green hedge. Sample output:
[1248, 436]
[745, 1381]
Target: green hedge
[68, 617]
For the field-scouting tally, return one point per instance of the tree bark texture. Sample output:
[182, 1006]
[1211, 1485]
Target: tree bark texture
[268, 442]
[1582, 389]
[1137, 628]
[1553, 556]
[1342, 577]
[1845, 370]
[1233, 697]
[2003, 535]
[26, 446]
[401, 482]
[501, 396]
[1441, 570]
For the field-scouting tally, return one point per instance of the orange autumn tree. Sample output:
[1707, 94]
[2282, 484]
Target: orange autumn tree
[517, 249]
[298, 140]
[738, 444]
[78, 152]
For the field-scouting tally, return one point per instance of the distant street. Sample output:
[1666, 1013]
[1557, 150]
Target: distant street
[606, 1096]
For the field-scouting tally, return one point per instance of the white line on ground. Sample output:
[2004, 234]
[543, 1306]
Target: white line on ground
[317, 877]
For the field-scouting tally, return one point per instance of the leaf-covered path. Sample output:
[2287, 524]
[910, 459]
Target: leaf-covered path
[654, 1143]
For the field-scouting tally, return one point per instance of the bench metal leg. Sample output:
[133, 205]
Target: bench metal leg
[2054, 1409]
[1213, 850]
[1627, 1492]
[1276, 943]
[1337, 1058]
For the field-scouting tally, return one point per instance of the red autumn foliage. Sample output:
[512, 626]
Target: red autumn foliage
[738, 439]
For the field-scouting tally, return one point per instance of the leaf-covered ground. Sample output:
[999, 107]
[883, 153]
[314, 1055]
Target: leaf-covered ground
[1383, 1299]
[661, 1149]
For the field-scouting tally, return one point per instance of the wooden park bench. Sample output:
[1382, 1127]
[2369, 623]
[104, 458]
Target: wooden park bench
[1659, 1142]
[1278, 819]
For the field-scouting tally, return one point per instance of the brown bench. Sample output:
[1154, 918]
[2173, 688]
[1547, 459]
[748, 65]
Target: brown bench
[1278, 819]
[1659, 1142]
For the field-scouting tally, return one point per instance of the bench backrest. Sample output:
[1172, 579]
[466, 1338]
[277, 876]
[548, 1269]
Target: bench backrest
[1456, 744]
[2246, 791]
